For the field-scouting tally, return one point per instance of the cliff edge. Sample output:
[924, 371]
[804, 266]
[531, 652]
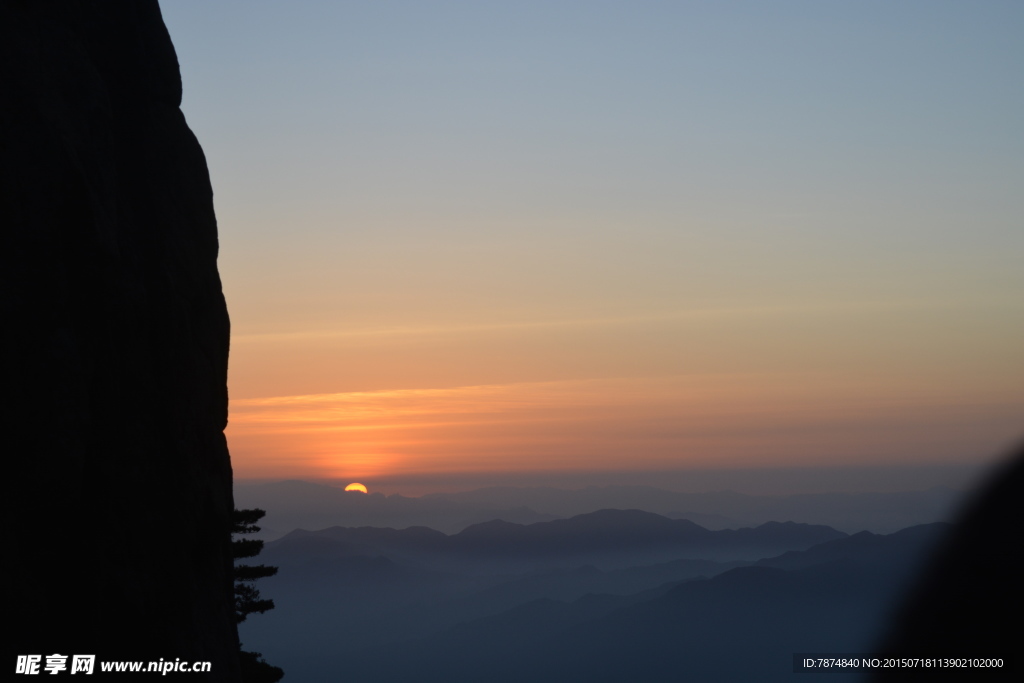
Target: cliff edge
[115, 345]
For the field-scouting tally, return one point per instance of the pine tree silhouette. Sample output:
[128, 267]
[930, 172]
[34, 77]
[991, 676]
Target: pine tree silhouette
[247, 597]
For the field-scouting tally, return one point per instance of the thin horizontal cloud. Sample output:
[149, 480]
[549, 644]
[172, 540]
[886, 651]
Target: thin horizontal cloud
[649, 423]
[601, 321]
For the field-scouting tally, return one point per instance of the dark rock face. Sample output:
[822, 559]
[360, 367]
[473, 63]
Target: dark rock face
[115, 345]
[969, 601]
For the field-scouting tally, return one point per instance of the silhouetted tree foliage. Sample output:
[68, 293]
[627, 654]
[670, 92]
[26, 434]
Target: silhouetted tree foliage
[256, 670]
[245, 572]
[247, 597]
[245, 547]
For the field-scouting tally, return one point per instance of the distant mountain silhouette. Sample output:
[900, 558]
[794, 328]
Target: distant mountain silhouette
[304, 505]
[606, 538]
[850, 512]
[343, 589]
[296, 504]
[902, 549]
[742, 625]
[556, 600]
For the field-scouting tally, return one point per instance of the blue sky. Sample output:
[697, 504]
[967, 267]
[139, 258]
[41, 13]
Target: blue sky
[435, 195]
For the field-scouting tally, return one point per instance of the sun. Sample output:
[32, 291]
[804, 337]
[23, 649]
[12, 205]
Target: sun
[356, 487]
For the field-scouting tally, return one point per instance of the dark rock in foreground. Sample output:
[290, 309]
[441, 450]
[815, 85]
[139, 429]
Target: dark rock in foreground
[968, 602]
[115, 345]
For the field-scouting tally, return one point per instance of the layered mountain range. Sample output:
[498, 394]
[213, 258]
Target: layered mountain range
[606, 538]
[306, 505]
[583, 598]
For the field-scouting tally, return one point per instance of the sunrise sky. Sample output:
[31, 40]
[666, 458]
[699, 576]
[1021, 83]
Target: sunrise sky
[512, 238]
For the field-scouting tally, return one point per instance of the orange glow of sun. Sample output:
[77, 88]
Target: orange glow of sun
[356, 487]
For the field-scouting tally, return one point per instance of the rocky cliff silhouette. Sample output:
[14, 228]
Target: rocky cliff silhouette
[968, 602]
[115, 345]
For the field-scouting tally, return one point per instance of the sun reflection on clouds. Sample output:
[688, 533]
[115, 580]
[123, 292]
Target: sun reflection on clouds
[645, 423]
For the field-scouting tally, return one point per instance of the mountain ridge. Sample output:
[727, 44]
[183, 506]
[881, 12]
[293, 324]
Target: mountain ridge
[602, 538]
[295, 504]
